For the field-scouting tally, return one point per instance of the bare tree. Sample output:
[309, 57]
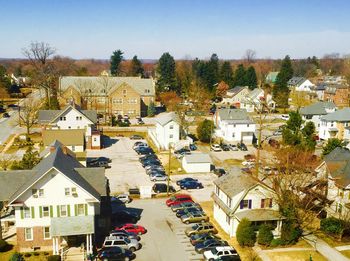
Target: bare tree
[87, 90]
[249, 56]
[106, 85]
[28, 114]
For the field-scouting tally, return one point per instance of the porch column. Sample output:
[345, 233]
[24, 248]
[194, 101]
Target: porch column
[279, 226]
[90, 244]
[57, 246]
[87, 243]
[53, 246]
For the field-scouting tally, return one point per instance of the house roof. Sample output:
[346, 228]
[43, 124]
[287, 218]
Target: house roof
[164, 118]
[340, 115]
[237, 89]
[73, 137]
[318, 108]
[234, 115]
[259, 214]
[235, 183]
[338, 165]
[272, 76]
[13, 180]
[97, 85]
[55, 144]
[255, 93]
[64, 163]
[296, 81]
[198, 158]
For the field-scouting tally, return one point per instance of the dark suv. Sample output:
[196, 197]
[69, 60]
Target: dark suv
[162, 188]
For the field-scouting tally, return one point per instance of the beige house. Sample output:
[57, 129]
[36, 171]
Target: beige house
[111, 95]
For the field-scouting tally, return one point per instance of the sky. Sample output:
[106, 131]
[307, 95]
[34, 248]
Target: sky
[184, 28]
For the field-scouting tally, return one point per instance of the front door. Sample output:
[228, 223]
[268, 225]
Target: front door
[76, 241]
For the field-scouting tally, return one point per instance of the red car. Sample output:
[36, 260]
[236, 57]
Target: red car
[178, 199]
[133, 229]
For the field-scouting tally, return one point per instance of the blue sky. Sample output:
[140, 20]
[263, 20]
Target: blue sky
[185, 28]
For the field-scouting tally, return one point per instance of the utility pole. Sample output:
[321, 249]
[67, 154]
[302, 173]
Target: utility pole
[169, 168]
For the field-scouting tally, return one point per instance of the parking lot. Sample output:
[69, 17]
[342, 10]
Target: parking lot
[165, 238]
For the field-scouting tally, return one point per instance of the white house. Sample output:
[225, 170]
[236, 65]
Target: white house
[258, 100]
[301, 84]
[237, 196]
[196, 162]
[234, 125]
[315, 111]
[167, 130]
[235, 95]
[72, 117]
[335, 125]
[57, 203]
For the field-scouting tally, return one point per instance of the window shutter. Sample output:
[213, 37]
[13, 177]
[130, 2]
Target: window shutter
[68, 210]
[262, 203]
[86, 209]
[241, 205]
[22, 213]
[75, 210]
[250, 203]
[51, 211]
[58, 211]
[32, 212]
[41, 211]
[270, 202]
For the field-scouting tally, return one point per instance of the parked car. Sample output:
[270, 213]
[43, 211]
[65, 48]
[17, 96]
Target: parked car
[181, 154]
[225, 147]
[178, 199]
[187, 211]
[139, 144]
[201, 228]
[193, 146]
[215, 147]
[124, 233]
[155, 169]
[184, 205]
[123, 242]
[124, 198]
[197, 238]
[218, 252]
[151, 162]
[285, 117]
[136, 137]
[148, 157]
[137, 229]
[6, 115]
[229, 258]
[162, 188]
[191, 185]
[105, 159]
[125, 216]
[233, 147]
[98, 164]
[277, 132]
[242, 146]
[185, 180]
[158, 177]
[115, 254]
[208, 244]
[181, 150]
[194, 217]
[219, 171]
[140, 121]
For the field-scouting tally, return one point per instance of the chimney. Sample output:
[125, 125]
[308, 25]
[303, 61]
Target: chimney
[52, 149]
[64, 150]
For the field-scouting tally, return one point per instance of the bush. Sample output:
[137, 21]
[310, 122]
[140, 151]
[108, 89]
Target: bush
[54, 258]
[265, 235]
[204, 130]
[3, 245]
[277, 242]
[16, 257]
[27, 254]
[46, 253]
[245, 233]
[290, 232]
[332, 226]
[36, 253]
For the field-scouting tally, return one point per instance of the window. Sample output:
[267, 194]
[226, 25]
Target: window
[266, 203]
[63, 211]
[28, 233]
[124, 92]
[46, 211]
[245, 203]
[171, 127]
[132, 101]
[26, 213]
[117, 101]
[101, 100]
[37, 193]
[228, 202]
[78, 118]
[217, 190]
[339, 208]
[80, 209]
[233, 134]
[95, 139]
[248, 125]
[131, 112]
[228, 219]
[171, 136]
[62, 118]
[47, 233]
[67, 191]
[73, 148]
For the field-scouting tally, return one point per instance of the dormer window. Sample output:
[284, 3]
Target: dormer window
[62, 118]
[37, 193]
[124, 93]
[78, 118]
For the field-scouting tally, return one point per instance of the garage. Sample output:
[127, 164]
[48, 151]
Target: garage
[197, 162]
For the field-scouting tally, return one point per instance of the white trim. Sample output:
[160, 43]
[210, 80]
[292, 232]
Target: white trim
[31, 233]
[70, 106]
[49, 232]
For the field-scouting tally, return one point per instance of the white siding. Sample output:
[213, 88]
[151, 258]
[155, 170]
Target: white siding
[195, 167]
[73, 119]
[170, 133]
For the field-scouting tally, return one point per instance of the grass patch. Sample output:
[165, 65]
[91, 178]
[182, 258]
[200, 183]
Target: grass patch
[175, 165]
[296, 256]
[232, 162]
[346, 253]
[35, 137]
[332, 241]
[6, 255]
[124, 133]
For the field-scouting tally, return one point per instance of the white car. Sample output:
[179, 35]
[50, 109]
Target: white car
[285, 117]
[158, 177]
[218, 252]
[122, 197]
[233, 147]
[215, 147]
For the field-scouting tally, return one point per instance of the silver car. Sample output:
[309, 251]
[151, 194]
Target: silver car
[158, 177]
[123, 242]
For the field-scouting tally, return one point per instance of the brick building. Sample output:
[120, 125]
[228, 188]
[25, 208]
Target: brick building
[338, 94]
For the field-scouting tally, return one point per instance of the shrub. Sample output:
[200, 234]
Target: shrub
[3, 245]
[290, 232]
[245, 233]
[204, 130]
[277, 242]
[36, 253]
[332, 226]
[54, 258]
[27, 254]
[46, 253]
[16, 257]
[265, 235]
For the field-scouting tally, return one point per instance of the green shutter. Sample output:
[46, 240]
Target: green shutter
[86, 209]
[41, 211]
[68, 210]
[75, 210]
[58, 211]
[51, 211]
[22, 213]
[33, 212]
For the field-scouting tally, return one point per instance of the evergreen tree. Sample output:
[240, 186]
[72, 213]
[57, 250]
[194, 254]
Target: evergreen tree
[250, 78]
[226, 73]
[29, 160]
[116, 59]
[331, 145]
[239, 76]
[5, 81]
[245, 233]
[167, 75]
[205, 130]
[151, 110]
[212, 72]
[136, 67]
[281, 91]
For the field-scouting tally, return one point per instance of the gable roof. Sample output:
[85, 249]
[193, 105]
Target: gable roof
[318, 108]
[255, 93]
[296, 81]
[234, 91]
[64, 163]
[72, 137]
[341, 115]
[338, 165]
[164, 118]
[97, 85]
[234, 115]
[13, 180]
[55, 144]
[198, 158]
[272, 76]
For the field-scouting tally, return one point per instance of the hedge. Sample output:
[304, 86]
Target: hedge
[332, 226]
[54, 258]
[3, 245]
[245, 233]
[265, 235]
